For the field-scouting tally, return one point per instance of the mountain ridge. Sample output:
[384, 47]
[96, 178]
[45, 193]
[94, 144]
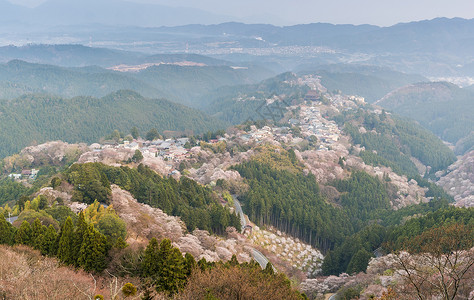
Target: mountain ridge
[37, 118]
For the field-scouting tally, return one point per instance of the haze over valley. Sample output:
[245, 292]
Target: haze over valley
[154, 150]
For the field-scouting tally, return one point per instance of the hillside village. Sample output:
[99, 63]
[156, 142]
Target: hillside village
[318, 142]
[320, 145]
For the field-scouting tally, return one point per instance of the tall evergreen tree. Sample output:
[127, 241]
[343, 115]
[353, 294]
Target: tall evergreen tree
[171, 268]
[190, 264]
[43, 202]
[65, 248]
[93, 252]
[152, 134]
[78, 236]
[359, 262]
[165, 265]
[37, 231]
[7, 231]
[23, 234]
[150, 259]
[48, 241]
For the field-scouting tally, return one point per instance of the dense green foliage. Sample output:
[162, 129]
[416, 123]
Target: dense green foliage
[398, 237]
[388, 153]
[343, 257]
[90, 184]
[442, 107]
[362, 196]
[42, 118]
[92, 244]
[165, 265]
[423, 145]
[292, 203]
[351, 255]
[93, 250]
[11, 190]
[84, 244]
[285, 198]
[280, 195]
[197, 206]
[395, 217]
[394, 141]
[7, 231]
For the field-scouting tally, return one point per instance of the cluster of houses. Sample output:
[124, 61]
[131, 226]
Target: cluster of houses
[310, 121]
[169, 149]
[266, 133]
[313, 123]
[26, 174]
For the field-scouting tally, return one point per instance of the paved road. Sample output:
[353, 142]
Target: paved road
[238, 209]
[257, 255]
[260, 258]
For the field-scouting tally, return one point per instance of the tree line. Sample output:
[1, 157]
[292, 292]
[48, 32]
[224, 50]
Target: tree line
[161, 267]
[353, 255]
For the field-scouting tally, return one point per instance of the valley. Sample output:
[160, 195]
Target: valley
[308, 144]
[168, 160]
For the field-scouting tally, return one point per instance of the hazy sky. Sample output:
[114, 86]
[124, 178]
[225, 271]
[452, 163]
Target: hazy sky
[286, 12]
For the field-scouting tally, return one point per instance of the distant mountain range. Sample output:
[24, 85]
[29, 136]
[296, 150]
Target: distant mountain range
[74, 55]
[145, 21]
[438, 47]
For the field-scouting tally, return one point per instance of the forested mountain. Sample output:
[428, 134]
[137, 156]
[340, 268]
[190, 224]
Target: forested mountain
[19, 78]
[370, 82]
[183, 84]
[39, 118]
[326, 181]
[237, 104]
[189, 85]
[441, 107]
[359, 220]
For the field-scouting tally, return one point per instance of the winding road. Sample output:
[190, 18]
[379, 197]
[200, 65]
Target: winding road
[257, 255]
[238, 209]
